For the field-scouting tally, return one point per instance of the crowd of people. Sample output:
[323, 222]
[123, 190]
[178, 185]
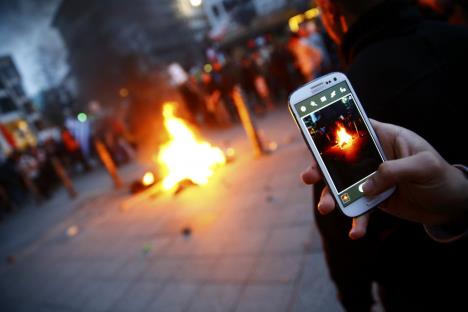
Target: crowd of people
[37, 171]
[266, 68]
[31, 171]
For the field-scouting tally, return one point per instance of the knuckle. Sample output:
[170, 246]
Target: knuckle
[385, 169]
[432, 162]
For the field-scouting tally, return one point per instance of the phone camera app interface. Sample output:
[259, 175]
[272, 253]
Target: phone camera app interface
[343, 140]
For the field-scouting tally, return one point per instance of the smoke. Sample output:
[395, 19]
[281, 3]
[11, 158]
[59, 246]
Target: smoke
[26, 34]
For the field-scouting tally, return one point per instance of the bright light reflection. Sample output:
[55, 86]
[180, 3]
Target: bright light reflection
[196, 3]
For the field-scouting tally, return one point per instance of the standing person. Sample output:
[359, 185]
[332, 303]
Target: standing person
[73, 149]
[261, 85]
[29, 169]
[403, 68]
[307, 58]
[314, 39]
[224, 79]
[10, 182]
[453, 11]
[279, 68]
[250, 75]
[45, 170]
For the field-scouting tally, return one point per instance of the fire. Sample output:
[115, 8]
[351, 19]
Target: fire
[148, 179]
[343, 137]
[184, 157]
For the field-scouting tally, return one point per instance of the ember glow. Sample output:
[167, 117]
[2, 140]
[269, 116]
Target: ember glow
[148, 179]
[184, 156]
[343, 138]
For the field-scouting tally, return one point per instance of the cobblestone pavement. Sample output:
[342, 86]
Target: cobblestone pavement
[250, 245]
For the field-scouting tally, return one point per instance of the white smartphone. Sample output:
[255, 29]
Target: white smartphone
[340, 137]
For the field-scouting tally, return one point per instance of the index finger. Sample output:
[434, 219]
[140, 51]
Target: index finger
[387, 134]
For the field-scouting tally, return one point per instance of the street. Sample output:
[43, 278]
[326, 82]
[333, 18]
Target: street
[246, 241]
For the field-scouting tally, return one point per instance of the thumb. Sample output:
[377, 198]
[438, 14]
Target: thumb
[391, 172]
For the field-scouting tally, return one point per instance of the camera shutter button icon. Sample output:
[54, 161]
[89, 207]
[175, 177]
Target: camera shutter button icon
[303, 108]
[360, 187]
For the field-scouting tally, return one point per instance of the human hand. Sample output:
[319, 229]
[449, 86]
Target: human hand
[429, 190]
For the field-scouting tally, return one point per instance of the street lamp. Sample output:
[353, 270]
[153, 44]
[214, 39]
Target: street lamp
[196, 3]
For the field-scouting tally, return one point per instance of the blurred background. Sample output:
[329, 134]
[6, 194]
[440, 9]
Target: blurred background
[148, 159]
[76, 63]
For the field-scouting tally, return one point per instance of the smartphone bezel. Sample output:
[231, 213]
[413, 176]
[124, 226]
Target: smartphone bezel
[363, 204]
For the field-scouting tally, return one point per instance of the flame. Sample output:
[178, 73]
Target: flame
[184, 156]
[343, 137]
[148, 179]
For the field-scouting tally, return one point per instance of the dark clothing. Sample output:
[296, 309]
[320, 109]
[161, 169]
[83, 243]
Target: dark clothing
[10, 182]
[409, 72]
[412, 73]
[280, 74]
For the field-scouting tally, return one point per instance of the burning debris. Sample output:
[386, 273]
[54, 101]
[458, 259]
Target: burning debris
[185, 160]
[147, 181]
[184, 156]
[182, 185]
[186, 231]
[230, 154]
[343, 138]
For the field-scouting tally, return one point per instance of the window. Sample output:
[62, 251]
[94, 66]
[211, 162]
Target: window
[19, 90]
[215, 10]
[7, 105]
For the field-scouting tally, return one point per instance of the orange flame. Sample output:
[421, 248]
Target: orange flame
[184, 156]
[343, 137]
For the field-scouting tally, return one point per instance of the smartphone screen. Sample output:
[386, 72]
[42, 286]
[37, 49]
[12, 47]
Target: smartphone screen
[337, 128]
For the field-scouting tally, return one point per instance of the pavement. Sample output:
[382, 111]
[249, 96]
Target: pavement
[246, 241]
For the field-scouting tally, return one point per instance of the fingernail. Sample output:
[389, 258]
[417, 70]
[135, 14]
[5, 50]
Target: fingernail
[356, 234]
[319, 208]
[368, 186]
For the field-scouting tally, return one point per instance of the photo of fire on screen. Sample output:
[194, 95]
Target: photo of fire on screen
[344, 142]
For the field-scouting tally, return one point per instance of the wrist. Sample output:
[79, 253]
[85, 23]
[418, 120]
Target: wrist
[460, 193]
[453, 209]
[457, 226]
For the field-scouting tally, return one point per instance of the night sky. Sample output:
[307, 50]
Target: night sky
[26, 33]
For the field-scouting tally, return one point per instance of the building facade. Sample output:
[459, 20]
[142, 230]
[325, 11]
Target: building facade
[219, 11]
[228, 16]
[17, 114]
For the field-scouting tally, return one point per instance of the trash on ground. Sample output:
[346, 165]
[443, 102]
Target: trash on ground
[72, 231]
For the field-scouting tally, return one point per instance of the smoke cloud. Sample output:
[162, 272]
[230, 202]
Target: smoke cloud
[26, 34]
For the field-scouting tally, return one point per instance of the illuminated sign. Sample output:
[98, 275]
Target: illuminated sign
[296, 20]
